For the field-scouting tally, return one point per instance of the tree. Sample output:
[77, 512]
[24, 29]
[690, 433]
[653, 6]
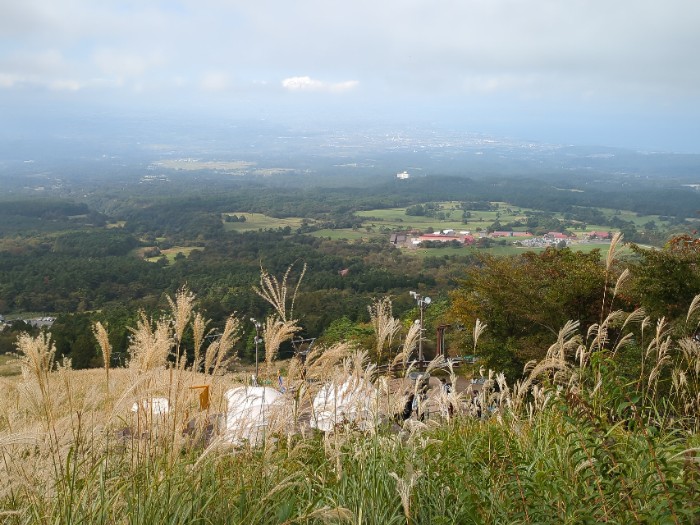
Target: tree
[416, 210]
[665, 281]
[73, 337]
[343, 329]
[496, 226]
[525, 299]
[484, 242]
[8, 336]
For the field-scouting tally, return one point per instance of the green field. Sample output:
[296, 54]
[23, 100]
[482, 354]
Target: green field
[638, 220]
[170, 253]
[345, 234]
[259, 221]
[508, 250]
[395, 219]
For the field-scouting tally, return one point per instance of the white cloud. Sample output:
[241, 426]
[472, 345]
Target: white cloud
[525, 84]
[402, 45]
[8, 80]
[310, 84]
[638, 55]
[216, 81]
[44, 69]
[64, 85]
[42, 63]
[125, 64]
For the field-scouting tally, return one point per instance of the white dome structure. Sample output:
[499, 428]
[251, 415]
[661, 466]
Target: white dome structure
[250, 410]
[354, 401]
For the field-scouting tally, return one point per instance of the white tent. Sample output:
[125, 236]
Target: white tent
[155, 406]
[250, 410]
[354, 401]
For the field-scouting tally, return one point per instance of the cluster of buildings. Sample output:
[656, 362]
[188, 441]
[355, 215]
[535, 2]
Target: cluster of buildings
[36, 322]
[415, 238]
[556, 238]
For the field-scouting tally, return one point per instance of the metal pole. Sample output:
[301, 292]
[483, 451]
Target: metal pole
[420, 339]
[258, 326]
[422, 303]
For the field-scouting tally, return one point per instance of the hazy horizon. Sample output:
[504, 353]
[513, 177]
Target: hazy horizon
[623, 74]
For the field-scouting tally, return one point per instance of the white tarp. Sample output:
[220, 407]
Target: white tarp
[155, 406]
[353, 401]
[250, 410]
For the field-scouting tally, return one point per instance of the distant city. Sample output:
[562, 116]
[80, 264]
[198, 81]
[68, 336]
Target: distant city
[127, 151]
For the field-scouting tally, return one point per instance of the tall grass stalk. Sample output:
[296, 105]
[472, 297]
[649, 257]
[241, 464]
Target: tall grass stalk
[275, 333]
[276, 292]
[570, 443]
[385, 326]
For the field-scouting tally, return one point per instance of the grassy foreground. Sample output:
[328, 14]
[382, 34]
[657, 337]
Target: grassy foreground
[570, 443]
[554, 467]
[561, 463]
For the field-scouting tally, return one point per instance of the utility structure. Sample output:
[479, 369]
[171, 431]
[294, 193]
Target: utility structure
[440, 336]
[422, 303]
[257, 340]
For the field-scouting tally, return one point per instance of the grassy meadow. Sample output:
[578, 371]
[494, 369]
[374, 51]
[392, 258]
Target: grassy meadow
[260, 221]
[638, 220]
[395, 219]
[509, 250]
[568, 443]
[171, 253]
[345, 234]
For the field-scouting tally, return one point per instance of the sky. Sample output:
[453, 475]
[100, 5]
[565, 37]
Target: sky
[608, 72]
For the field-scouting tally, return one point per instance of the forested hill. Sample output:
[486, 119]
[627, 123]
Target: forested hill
[173, 213]
[41, 214]
[536, 194]
[86, 255]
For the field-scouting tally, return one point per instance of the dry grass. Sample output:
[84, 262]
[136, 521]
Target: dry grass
[218, 355]
[9, 366]
[274, 334]
[276, 292]
[136, 445]
[104, 435]
[385, 326]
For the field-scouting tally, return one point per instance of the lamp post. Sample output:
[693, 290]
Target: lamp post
[257, 340]
[422, 302]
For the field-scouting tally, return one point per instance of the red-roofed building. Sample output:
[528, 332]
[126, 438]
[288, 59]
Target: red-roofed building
[436, 237]
[511, 234]
[557, 235]
[600, 235]
[439, 237]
